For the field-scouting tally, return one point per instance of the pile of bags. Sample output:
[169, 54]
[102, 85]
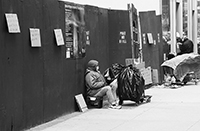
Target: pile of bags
[130, 83]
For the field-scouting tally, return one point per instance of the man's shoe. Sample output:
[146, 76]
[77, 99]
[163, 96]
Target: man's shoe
[115, 107]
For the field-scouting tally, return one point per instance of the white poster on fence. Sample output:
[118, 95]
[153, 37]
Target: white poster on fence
[12, 22]
[59, 37]
[35, 37]
[150, 38]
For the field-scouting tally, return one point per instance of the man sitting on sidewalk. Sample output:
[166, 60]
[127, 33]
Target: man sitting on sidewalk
[97, 86]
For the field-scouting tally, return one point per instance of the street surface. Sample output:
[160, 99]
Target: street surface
[169, 110]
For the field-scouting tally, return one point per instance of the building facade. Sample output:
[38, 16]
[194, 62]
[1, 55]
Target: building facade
[181, 17]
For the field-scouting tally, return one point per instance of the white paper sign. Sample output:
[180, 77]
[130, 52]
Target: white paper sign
[150, 38]
[13, 23]
[35, 37]
[59, 37]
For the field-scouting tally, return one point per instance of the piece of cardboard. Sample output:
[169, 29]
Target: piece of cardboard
[155, 76]
[147, 75]
[81, 103]
[140, 66]
[129, 61]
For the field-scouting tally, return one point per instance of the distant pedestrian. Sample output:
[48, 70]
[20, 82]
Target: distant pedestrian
[186, 46]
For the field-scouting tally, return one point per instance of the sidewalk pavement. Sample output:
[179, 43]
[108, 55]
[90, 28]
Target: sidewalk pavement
[169, 110]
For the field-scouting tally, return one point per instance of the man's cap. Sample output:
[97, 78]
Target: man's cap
[93, 63]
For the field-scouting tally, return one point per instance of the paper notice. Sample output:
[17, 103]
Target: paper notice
[35, 37]
[59, 37]
[13, 23]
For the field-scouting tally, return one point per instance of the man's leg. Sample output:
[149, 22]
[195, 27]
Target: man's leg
[106, 90]
[114, 88]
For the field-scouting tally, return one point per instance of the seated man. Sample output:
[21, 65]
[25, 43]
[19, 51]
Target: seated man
[97, 86]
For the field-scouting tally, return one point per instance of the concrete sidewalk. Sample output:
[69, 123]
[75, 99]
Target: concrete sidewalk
[169, 110]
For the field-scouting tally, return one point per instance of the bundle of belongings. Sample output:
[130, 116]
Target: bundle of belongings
[181, 69]
[130, 83]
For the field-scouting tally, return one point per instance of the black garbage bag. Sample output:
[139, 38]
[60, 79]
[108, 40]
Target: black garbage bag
[186, 47]
[130, 85]
[113, 72]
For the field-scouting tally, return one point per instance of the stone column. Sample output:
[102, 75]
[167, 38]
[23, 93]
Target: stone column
[173, 25]
[179, 17]
[194, 25]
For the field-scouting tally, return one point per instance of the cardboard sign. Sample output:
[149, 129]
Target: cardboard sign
[129, 61]
[81, 103]
[13, 23]
[140, 66]
[59, 37]
[155, 76]
[146, 73]
[35, 37]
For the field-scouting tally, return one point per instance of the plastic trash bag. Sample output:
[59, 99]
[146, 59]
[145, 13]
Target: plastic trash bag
[112, 73]
[130, 85]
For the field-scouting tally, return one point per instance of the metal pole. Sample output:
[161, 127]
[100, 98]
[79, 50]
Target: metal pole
[130, 8]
